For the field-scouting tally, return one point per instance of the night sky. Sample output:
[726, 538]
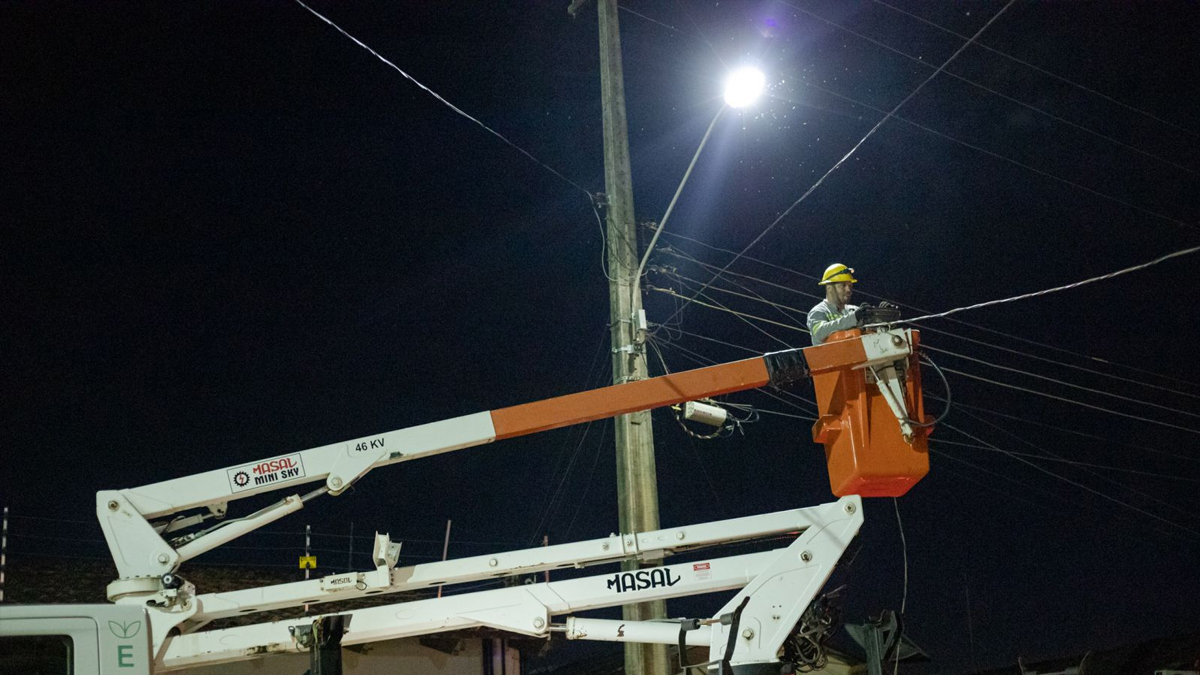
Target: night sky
[230, 233]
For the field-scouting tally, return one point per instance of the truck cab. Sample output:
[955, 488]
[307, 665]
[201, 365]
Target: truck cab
[74, 640]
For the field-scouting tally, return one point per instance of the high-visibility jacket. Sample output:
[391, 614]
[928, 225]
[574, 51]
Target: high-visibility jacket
[825, 319]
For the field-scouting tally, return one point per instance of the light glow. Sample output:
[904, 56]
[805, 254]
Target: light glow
[743, 87]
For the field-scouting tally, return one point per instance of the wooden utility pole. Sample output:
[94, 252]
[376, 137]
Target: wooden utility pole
[637, 480]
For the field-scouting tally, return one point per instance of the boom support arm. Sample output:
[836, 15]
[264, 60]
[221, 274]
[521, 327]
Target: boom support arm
[775, 589]
[137, 522]
[141, 552]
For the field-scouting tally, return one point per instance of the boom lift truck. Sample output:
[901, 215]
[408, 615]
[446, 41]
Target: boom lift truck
[871, 423]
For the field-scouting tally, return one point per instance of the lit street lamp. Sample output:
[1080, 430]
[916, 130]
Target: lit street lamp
[742, 88]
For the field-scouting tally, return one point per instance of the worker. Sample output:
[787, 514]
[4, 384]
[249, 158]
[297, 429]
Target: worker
[835, 312]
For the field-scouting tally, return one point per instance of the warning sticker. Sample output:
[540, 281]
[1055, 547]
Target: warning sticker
[278, 470]
[702, 570]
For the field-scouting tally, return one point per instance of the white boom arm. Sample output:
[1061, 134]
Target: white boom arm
[145, 526]
[777, 587]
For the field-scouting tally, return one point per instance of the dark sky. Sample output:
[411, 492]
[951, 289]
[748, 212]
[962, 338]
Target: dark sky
[231, 233]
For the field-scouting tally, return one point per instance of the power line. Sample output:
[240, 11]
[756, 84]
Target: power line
[1081, 485]
[744, 318]
[994, 92]
[448, 104]
[1091, 390]
[781, 308]
[1061, 460]
[702, 360]
[1038, 69]
[1072, 401]
[952, 320]
[744, 315]
[1072, 432]
[1055, 289]
[841, 161]
[983, 410]
[1125, 485]
[1069, 507]
[579, 446]
[1023, 165]
[1019, 456]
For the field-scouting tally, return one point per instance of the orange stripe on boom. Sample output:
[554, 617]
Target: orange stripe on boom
[620, 399]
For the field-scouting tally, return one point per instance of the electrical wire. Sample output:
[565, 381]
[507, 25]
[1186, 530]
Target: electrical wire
[574, 455]
[968, 324]
[1066, 507]
[1039, 69]
[1055, 289]
[853, 149]
[591, 479]
[443, 101]
[1121, 484]
[935, 366]
[955, 354]
[1072, 401]
[780, 396]
[1020, 458]
[946, 408]
[904, 597]
[1083, 487]
[1090, 390]
[938, 441]
[1028, 167]
[646, 18]
[1006, 97]
[1072, 432]
[744, 316]
[781, 307]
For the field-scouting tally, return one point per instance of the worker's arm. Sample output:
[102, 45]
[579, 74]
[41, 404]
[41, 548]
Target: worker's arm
[821, 327]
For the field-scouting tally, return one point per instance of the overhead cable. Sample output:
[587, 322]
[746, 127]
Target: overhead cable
[988, 411]
[697, 358]
[852, 150]
[1072, 401]
[1023, 165]
[1123, 484]
[1056, 289]
[1071, 432]
[1044, 458]
[1068, 507]
[994, 92]
[1043, 71]
[1018, 457]
[953, 320]
[1082, 486]
[588, 382]
[1064, 383]
[743, 317]
[442, 100]
[784, 308]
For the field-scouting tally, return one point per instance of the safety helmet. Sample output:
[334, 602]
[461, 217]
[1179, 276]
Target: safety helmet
[838, 273]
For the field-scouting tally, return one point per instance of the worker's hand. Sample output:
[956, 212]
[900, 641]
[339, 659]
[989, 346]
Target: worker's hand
[860, 314]
[887, 305]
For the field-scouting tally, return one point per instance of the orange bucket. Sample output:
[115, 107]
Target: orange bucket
[865, 449]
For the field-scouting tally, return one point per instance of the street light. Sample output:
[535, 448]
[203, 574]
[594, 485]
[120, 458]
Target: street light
[742, 88]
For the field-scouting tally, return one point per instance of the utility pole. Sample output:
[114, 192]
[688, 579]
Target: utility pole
[637, 480]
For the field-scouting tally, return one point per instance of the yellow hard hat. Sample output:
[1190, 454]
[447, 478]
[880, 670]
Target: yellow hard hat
[838, 273]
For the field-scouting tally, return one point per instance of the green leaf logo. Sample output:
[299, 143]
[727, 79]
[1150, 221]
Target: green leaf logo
[125, 630]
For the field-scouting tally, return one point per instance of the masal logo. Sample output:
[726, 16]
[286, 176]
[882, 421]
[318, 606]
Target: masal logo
[125, 630]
